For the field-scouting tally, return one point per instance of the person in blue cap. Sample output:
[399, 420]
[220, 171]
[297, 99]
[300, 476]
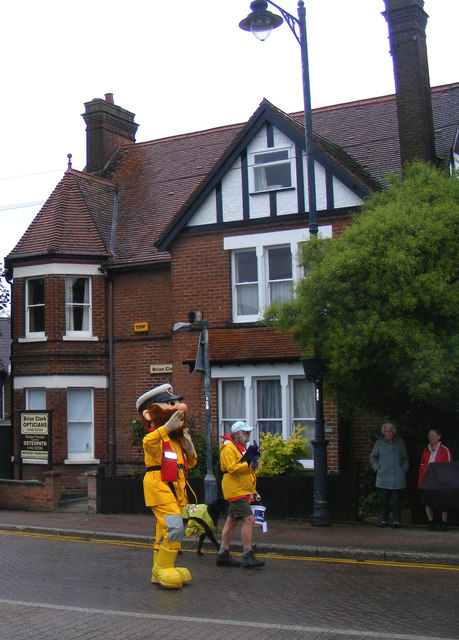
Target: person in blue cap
[239, 489]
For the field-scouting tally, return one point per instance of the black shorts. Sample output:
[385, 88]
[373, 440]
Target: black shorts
[239, 509]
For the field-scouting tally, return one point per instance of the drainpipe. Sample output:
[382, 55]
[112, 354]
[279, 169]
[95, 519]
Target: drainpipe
[111, 422]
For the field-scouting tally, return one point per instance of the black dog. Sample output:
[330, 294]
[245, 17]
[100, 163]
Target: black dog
[215, 510]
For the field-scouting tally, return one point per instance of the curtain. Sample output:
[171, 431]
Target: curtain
[77, 304]
[269, 406]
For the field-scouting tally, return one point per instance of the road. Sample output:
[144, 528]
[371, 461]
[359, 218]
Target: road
[66, 588]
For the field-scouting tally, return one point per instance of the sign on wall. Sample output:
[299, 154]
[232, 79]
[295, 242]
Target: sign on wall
[35, 436]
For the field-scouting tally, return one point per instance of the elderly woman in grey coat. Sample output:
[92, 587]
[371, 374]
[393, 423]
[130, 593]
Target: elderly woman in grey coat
[390, 461]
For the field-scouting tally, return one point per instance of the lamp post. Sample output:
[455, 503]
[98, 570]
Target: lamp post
[261, 22]
[210, 483]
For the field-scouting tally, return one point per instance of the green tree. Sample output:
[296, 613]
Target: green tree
[380, 302]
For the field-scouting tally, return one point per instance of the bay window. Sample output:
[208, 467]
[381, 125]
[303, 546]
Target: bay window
[275, 404]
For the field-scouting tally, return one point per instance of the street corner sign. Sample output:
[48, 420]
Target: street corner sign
[160, 368]
[35, 436]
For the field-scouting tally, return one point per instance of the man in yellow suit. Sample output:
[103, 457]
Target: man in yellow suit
[169, 453]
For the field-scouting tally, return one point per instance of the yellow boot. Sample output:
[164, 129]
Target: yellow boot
[183, 572]
[164, 572]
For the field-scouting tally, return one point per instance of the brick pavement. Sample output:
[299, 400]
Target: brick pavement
[343, 540]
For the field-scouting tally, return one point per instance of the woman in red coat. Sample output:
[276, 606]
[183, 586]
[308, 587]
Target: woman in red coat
[434, 452]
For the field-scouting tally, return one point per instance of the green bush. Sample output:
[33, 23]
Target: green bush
[281, 457]
[369, 501]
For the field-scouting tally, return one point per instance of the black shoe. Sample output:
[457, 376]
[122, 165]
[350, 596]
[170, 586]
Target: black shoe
[225, 560]
[250, 562]
[444, 526]
[396, 525]
[382, 524]
[431, 526]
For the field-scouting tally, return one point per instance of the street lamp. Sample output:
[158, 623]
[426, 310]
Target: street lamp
[210, 483]
[261, 22]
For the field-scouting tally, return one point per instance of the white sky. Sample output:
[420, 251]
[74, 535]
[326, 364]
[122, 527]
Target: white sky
[180, 66]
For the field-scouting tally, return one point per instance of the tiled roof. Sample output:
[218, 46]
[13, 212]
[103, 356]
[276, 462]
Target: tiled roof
[148, 184]
[75, 220]
[368, 130]
[154, 180]
[258, 344]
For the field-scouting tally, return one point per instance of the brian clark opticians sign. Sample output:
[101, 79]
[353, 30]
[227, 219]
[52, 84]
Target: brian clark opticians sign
[35, 436]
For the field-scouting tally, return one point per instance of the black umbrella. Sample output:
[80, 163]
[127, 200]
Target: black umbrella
[440, 485]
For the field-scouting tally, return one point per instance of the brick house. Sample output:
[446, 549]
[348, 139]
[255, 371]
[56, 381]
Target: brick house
[208, 222]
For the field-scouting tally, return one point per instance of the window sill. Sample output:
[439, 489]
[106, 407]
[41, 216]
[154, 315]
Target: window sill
[77, 338]
[82, 461]
[33, 339]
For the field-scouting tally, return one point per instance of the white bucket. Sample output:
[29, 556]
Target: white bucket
[259, 513]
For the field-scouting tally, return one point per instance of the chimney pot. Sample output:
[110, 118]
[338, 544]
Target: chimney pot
[109, 98]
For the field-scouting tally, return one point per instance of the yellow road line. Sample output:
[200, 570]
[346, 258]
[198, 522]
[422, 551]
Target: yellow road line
[144, 545]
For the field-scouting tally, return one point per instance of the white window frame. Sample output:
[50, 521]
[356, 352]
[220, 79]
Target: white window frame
[82, 334]
[249, 375]
[88, 455]
[262, 242]
[258, 167]
[28, 308]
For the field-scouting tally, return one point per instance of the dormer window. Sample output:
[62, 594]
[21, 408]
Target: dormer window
[271, 170]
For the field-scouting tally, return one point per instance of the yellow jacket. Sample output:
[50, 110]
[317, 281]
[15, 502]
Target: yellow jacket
[156, 491]
[238, 477]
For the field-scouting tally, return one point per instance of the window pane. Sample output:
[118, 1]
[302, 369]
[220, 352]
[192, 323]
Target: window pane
[77, 303]
[247, 299]
[271, 156]
[246, 266]
[36, 293]
[246, 282]
[79, 405]
[280, 263]
[79, 438]
[233, 400]
[80, 427]
[36, 399]
[36, 305]
[269, 406]
[272, 170]
[303, 399]
[36, 319]
[304, 407]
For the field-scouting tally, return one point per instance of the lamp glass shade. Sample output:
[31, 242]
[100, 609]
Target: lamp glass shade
[261, 23]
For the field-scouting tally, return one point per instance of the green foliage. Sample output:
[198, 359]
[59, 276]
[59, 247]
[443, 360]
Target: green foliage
[199, 441]
[369, 500]
[136, 431]
[380, 302]
[281, 457]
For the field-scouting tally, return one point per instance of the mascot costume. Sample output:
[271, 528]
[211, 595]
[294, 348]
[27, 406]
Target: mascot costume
[169, 453]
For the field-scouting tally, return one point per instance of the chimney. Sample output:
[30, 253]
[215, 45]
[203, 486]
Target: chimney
[107, 126]
[407, 23]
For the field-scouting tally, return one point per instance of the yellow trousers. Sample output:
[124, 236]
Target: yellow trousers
[160, 511]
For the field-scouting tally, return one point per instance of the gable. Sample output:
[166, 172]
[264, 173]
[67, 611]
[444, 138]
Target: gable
[231, 193]
[235, 197]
